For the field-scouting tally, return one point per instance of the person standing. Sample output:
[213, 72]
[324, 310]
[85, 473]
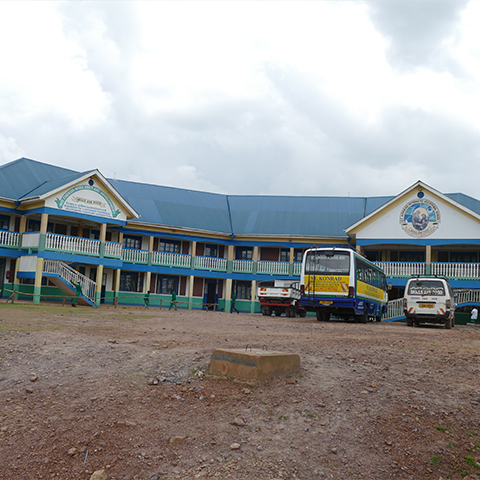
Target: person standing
[473, 316]
[232, 305]
[173, 302]
[146, 299]
[78, 292]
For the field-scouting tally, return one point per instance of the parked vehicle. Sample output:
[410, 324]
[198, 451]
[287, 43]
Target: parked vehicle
[429, 300]
[280, 296]
[340, 282]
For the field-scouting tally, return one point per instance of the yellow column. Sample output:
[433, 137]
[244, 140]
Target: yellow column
[254, 296]
[98, 288]
[428, 258]
[190, 291]
[37, 288]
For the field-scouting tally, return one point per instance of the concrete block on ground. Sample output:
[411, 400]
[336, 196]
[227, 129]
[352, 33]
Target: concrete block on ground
[254, 364]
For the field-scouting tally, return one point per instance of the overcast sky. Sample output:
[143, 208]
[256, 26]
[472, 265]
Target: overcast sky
[358, 98]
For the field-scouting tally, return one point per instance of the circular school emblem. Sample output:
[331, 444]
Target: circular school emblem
[420, 218]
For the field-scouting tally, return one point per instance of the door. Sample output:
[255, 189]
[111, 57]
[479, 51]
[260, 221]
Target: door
[210, 298]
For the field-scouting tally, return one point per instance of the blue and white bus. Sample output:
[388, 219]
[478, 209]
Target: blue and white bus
[340, 282]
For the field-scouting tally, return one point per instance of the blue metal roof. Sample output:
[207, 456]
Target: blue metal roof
[236, 214]
[22, 176]
[176, 207]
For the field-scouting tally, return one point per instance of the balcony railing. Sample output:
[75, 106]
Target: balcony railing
[297, 269]
[68, 244]
[9, 239]
[131, 255]
[113, 249]
[243, 266]
[457, 271]
[210, 263]
[402, 269]
[165, 259]
[31, 240]
[273, 268]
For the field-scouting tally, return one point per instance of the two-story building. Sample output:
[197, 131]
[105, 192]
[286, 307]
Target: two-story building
[121, 239]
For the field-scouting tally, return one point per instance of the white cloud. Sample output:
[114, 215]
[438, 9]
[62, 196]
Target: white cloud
[293, 97]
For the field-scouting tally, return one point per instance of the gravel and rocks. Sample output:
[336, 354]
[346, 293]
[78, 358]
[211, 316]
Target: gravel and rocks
[124, 394]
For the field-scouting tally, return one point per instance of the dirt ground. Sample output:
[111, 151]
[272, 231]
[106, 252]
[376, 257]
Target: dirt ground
[128, 391]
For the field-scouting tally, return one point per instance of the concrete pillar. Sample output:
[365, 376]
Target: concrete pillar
[359, 249]
[291, 261]
[37, 288]
[43, 232]
[255, 259]
[148, 280]
[384, 255]
[193, 254]
[254, 296]
[230, 256]
[191, 281]
[228, 294]
[98, 288]
[428, 259]
[116, 285]
[15, 280]
[103, 236]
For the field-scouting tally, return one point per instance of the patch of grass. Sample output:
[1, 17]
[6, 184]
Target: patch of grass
[471, 461]
[471, 433]
[449, 444]
[283, 417]
[310, 415]
[440, 428]
[435, 460]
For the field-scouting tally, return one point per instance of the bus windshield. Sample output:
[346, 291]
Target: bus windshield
[327, 262]
[426, 287]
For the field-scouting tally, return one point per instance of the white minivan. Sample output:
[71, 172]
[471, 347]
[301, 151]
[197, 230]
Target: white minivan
[429, 300]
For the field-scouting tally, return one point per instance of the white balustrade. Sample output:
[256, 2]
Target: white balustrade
[468, 296]
[401, 269]
[113, 249]
[71, 276]
[273, 268]
[297, 269]
[243, 266]
[131, 255]
[210, 263]
[68, 244]
[458, 271]
[31, 240]
[171, 259]
[9, 239]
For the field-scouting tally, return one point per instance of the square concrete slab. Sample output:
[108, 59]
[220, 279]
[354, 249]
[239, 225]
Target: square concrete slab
[253, 364]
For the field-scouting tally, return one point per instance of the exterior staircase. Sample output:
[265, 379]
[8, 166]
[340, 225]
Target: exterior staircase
[64, 277]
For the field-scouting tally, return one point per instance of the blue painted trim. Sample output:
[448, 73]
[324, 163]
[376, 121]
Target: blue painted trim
[219, 241]
[64, 213]
[8, 210]
[419, 241]
[25, 274]
[10, 252]
[82, 259]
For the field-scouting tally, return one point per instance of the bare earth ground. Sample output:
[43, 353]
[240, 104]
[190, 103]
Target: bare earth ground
[375, 401]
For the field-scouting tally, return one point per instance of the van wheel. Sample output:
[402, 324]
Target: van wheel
[448, 324]
[409, 322]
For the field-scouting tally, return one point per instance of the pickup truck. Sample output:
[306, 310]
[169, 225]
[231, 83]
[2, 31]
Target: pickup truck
[280, 296]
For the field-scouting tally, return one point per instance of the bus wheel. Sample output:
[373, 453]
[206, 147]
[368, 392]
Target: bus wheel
[323, 316]
[378, 318]
[362, 318]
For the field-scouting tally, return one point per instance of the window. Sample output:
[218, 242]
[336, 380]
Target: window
[131, 241]
[412, 256]
[298, 255]
[244, 290]
[463, 257]
[169, 246]
[33, 225]
[285, 255]
[167, 284]
[244, 253]
[4, 222]
[95, 234]
[211, 250]
[131, 282]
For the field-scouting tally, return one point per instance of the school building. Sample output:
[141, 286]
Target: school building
[121, 239]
